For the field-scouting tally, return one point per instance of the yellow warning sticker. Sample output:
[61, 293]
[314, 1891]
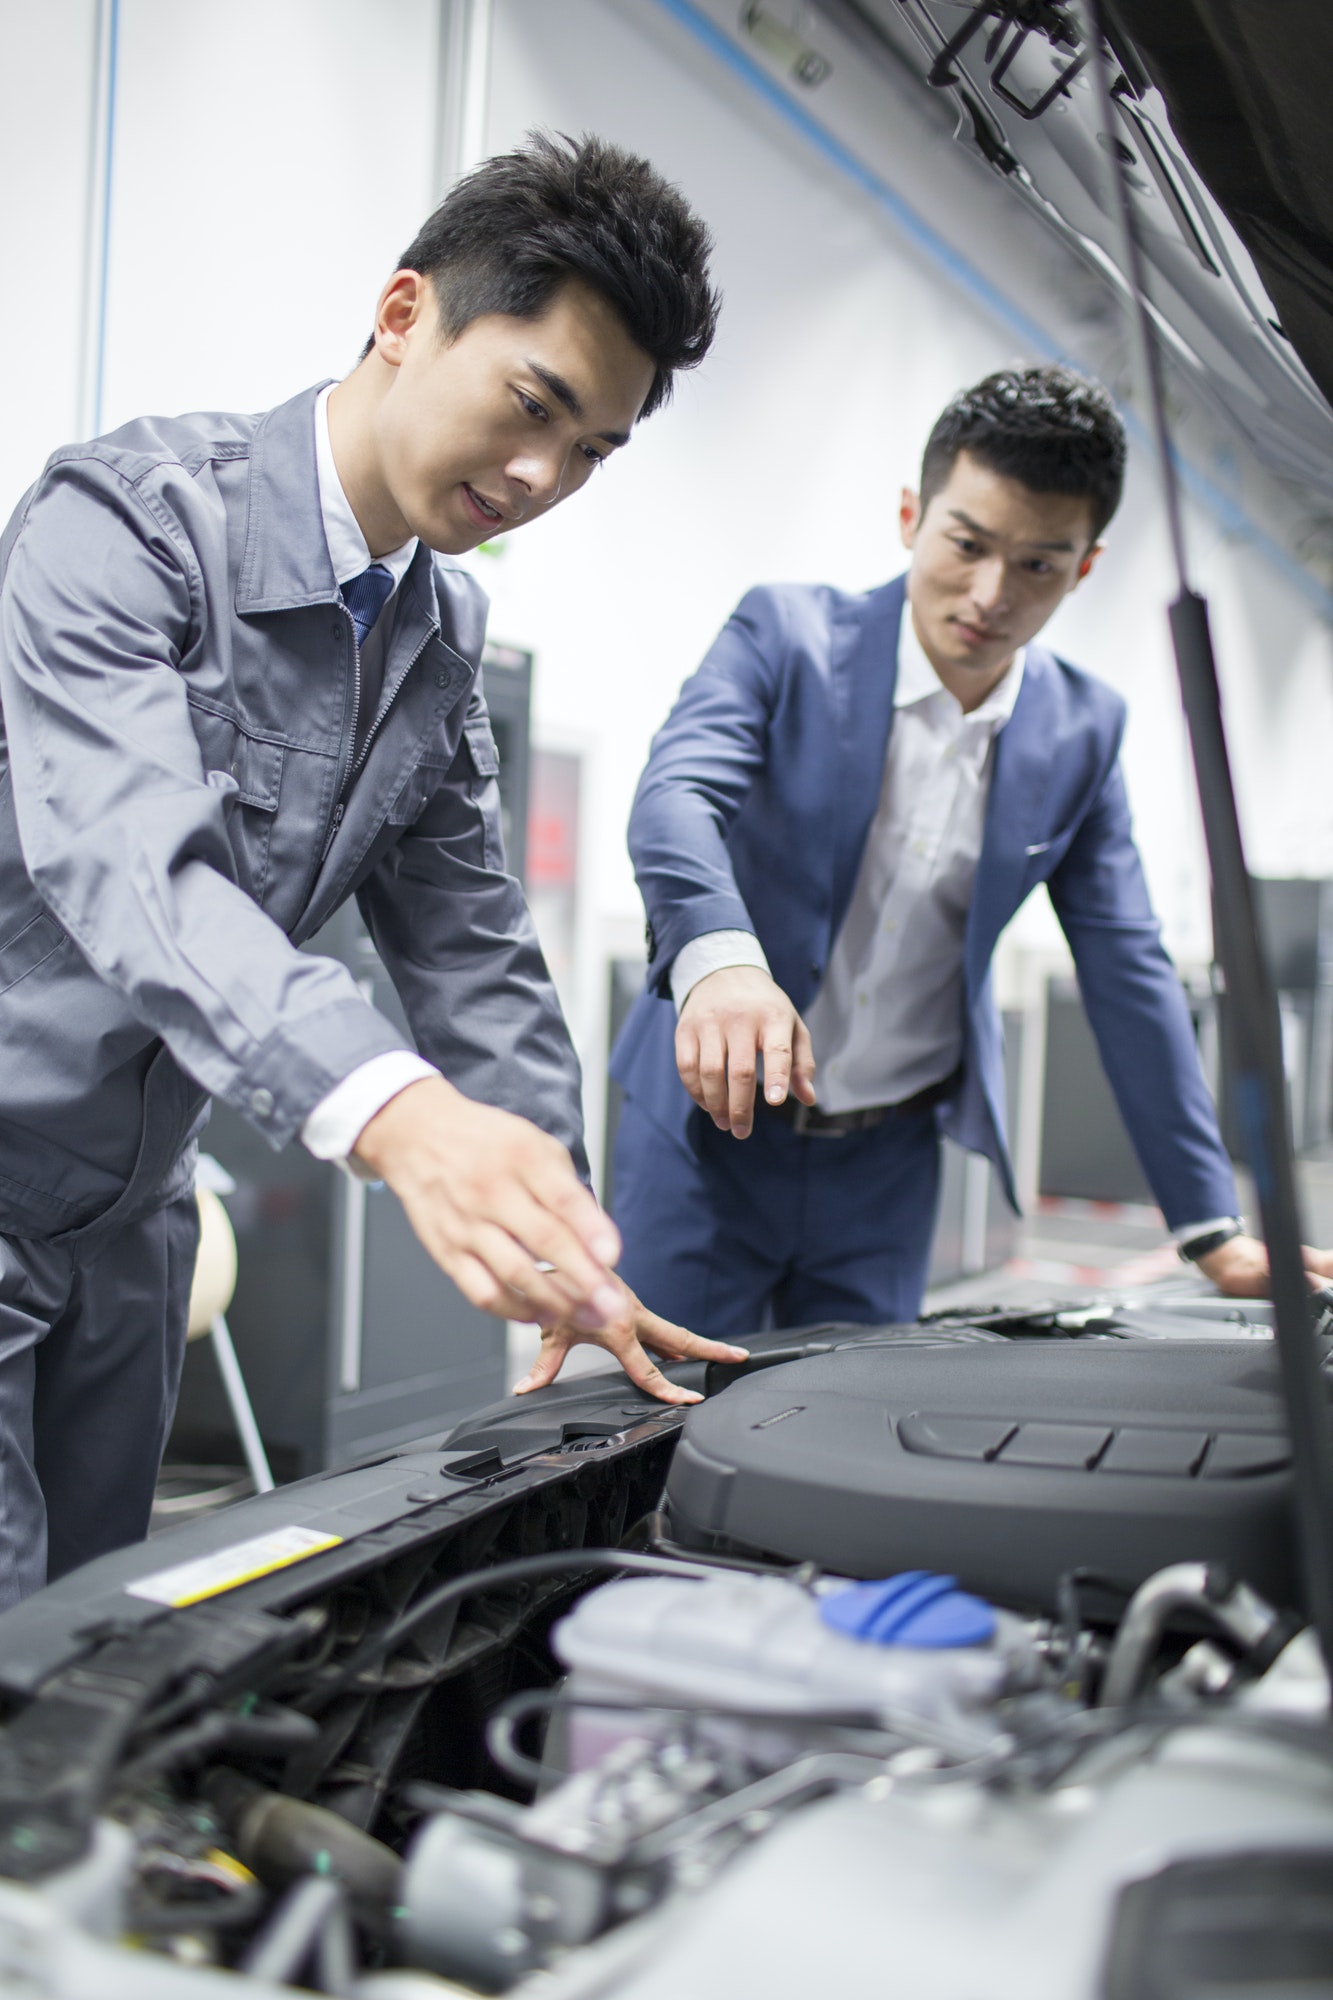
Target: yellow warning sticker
[227, 1569]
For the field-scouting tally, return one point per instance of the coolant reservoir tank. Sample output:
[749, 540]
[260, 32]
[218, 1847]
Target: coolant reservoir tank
[758, 1647]
[918, 1608]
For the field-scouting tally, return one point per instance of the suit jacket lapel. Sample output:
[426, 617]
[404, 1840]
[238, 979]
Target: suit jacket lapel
[865, 679]
[1020, 779]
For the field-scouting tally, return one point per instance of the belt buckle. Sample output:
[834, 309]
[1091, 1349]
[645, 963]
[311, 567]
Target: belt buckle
[802, 1116]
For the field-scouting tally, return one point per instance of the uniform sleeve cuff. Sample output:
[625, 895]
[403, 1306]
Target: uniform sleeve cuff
[338, 1120]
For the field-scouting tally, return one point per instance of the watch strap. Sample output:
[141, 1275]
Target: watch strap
[1196, 1247]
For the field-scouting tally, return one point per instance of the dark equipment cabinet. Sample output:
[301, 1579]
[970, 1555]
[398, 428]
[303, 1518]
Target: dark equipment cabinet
[1296, 922]
[349, 1337]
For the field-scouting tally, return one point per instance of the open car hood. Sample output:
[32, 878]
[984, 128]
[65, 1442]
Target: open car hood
[1222, 126]
[1246, 85]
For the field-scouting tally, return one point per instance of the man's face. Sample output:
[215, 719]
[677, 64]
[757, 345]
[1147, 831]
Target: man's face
[991, 560]
[479, 434]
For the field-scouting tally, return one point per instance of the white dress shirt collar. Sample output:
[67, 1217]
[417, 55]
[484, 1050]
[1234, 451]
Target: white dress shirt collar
[349, 551]
[917, 680]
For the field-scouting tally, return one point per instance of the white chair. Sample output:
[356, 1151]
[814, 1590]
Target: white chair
[210, 1295]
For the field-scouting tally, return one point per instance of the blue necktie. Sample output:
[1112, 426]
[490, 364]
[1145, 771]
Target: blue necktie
[366, 596]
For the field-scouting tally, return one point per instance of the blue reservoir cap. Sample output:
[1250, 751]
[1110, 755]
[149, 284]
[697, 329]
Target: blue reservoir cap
[917, 1608]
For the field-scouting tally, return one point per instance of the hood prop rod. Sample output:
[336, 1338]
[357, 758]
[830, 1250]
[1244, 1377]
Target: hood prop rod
[1260, 1084]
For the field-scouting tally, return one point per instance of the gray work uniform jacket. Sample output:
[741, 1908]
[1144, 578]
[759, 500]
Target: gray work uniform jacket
[180, 809]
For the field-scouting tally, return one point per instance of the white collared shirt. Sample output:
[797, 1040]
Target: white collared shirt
[349, 551]
[338, 1120]
[888, 1018]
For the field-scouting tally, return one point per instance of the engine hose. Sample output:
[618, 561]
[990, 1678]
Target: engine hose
[1199, 1587]
[282, 1839]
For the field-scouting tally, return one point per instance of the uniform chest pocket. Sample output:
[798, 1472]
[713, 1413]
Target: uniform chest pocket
[247, 769]
[256, 765]
[419, 788]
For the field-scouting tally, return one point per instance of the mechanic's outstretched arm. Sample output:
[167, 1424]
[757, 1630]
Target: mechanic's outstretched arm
[500, 1208]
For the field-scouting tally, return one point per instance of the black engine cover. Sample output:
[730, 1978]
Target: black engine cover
[1004, 1464]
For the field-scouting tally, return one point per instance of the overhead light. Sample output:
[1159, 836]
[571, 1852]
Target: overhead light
[777, 38]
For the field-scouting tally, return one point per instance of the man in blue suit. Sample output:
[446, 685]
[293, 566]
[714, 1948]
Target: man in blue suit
[849, 801]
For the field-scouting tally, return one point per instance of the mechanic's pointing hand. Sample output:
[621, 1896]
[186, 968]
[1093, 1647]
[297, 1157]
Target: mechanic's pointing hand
[498, 1205]
[501, 1210]
[729, 1019]
[632, 1330]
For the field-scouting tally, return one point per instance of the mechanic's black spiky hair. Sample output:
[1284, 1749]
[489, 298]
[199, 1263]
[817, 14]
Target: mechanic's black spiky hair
[1056, 431]
[522, 224]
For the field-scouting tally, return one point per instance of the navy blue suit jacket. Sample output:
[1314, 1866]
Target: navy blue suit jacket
[753, 812]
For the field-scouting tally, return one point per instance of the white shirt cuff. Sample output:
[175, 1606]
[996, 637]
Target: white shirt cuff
[711, 953]
[338, 1120]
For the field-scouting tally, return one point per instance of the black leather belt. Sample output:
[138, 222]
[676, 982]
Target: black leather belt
[809, 1120]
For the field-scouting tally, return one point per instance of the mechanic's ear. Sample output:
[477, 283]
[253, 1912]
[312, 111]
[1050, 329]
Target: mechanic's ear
[909, 516]
[1085, 567]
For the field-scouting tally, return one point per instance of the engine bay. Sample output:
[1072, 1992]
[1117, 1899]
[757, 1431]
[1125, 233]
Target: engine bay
[475, 1719]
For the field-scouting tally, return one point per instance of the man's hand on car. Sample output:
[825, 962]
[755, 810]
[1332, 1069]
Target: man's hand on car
[498, 1205]
[729, 1020]
[631, 1336]
[1240, 1268]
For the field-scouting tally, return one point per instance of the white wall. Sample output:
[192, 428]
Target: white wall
[273, 156]
[46, 136]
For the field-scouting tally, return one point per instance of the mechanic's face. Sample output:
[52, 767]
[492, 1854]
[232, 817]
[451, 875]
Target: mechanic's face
[479, 434]
[991, 560]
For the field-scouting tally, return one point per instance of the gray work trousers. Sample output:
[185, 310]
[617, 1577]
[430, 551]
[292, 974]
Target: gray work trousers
[92, 1338]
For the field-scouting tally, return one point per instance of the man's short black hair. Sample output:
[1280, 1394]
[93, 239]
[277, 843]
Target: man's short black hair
[1054, 430]
[512, 232]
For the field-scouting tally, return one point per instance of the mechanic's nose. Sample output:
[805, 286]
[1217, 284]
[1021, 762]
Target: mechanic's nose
[540, 475]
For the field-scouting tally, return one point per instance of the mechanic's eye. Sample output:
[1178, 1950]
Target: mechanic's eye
[532, 406]
[593, 456]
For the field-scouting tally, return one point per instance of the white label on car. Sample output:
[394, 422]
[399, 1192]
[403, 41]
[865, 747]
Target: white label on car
[227, 1569]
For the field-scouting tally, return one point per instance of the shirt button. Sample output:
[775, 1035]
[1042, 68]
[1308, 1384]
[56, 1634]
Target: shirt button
[890, 927]
[261, 1103]
[337, 630]
[441, 680]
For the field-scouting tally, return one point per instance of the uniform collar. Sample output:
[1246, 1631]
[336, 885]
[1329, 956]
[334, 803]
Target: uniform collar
[349, 551]
[918, 680]
[287, 563]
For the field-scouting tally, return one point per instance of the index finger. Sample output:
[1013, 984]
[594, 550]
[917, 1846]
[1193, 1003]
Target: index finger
[562, 1194]
[777, 1062]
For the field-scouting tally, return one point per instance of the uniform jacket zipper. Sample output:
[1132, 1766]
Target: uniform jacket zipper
[358, 762]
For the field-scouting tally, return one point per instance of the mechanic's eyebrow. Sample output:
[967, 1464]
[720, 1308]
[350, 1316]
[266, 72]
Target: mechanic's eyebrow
[563, 393]
[975, 528]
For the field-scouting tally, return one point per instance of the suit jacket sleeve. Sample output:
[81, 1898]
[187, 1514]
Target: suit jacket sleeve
[1138, 1013]
[702, 764]
[458, 940]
